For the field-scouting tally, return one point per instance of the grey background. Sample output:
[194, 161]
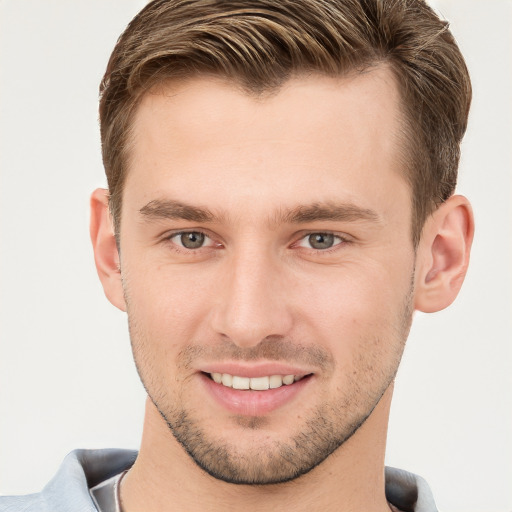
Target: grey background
[66, 375]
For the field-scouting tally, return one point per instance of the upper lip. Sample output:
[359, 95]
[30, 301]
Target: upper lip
[254, 369]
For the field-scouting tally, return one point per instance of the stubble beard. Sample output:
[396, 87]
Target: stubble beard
[327, 428]
[272, 463]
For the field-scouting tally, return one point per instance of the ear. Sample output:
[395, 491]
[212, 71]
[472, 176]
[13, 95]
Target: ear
[443, 255]
[104, 244]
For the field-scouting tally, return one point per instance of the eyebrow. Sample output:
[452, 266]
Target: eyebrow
[332, 211]
[169, 209]
[346, 212]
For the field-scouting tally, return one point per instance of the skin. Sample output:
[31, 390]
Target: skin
[319, 156]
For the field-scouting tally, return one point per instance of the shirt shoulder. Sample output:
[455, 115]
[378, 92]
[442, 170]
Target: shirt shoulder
[408, 492]
[27, 503]
[68, 491]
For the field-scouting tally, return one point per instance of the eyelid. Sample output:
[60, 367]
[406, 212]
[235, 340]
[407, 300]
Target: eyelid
[173, 235]
[340, 239]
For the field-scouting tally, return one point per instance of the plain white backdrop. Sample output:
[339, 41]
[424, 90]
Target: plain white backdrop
[66, 375]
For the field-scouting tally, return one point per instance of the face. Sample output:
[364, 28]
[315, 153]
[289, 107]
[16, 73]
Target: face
[267, 266]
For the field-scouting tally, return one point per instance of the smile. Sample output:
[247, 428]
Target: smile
[254, 383]
[257, 391]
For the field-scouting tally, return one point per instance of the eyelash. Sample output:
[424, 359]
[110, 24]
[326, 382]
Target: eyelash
[339, 241]
[180, 248]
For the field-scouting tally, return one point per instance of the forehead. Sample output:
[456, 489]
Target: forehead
[314, 138]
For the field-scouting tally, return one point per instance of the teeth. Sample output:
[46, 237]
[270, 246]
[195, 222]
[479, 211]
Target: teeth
[227, 380]
[255, 383]
[288, 379]
[241, 382]
[260, 383]
[276, 381]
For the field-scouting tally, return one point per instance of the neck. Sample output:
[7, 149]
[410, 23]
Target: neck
[165, 478]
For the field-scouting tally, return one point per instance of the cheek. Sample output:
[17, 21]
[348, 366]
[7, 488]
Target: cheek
[167, 303]
[358, 311]
[352, 296]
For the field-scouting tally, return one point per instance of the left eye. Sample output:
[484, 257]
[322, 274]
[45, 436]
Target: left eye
[191, 239]
[320, 241]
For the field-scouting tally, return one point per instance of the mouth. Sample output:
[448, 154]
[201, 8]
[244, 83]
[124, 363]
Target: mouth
[258, 389]
[254, 383]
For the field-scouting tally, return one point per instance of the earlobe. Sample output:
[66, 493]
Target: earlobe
[106, 255]
[443, 255]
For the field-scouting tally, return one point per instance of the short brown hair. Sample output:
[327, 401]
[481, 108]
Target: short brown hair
[260, 44]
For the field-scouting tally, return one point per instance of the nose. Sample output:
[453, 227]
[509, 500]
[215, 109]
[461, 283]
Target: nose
[252, 300]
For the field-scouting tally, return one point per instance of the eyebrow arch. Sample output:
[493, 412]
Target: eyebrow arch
[328, 211]
[170, 209]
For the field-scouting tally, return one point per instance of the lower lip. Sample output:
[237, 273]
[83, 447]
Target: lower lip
[250, 402]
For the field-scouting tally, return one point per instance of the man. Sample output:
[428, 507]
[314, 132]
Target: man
[281, 179]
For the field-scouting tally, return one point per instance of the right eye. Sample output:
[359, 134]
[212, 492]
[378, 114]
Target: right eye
[191, 240]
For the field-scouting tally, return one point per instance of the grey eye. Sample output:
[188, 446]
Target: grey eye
[192, 240]
[321, 240]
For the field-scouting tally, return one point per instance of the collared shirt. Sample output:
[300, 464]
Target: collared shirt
[106, 495]
[86, 471]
